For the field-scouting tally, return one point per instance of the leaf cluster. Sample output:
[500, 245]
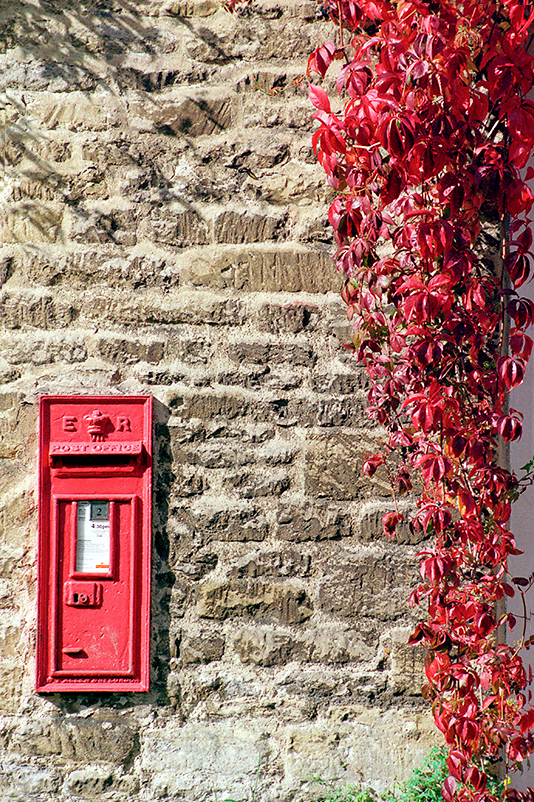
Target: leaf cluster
[425, 142]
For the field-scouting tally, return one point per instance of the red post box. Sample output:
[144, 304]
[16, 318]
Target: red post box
[95, 461]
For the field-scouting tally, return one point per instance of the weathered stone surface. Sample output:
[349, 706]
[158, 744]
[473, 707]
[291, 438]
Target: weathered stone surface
[202, 758]
[38, 225]
[341, 412]
[201, 649]
[43, 349]
[372, 528]
[282, 270]
[125, 350]
[190, 8]
[263, 353]
[293, 318]
[306, 522]
[256, 485]
[23, 782]
[270, 648]
[85, 739]
[264, 376]
[283, 603]
[237, 227]
[203, 113]
[333, 748]
[180, 228]
[155, 308]
[34, 309]
[340, 383]
[278, 564]
[231, 524]
[212, 406]
[333, 467]
[95, 780]
[373, 586]
[407, 663]
[76, 111]
[11, 679]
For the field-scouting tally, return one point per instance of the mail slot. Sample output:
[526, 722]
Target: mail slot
[95, 469]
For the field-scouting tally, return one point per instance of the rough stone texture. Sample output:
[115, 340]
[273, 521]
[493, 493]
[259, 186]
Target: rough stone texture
[163, 231]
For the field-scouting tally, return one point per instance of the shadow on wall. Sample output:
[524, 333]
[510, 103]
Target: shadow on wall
[64, 64]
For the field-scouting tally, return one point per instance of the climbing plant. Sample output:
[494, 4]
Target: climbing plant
[426, 144]
[425, 154]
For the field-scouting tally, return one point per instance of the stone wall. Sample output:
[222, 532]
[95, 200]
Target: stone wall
[164, 231]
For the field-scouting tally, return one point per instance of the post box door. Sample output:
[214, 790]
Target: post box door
[97, 575]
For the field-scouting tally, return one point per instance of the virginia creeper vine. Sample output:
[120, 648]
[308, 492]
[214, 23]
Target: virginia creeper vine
[425, 149]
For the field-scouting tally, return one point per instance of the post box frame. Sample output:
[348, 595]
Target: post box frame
[89, 453]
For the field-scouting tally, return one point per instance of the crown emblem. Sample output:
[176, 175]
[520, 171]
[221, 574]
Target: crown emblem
[97, 423]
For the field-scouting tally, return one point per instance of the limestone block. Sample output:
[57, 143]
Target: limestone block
[313, 751]
[232, 523]
[407, 663]
[342, 412]
[190, 8]
[278, 37]
[285, 562]
[280, 602]
[30, 308]
[24, 782]
[375, 586]
[312, 522]
[93, 225]
[293, 318]
[284, 269]
[248, 485]
[11, 680]
[10, 400]
[292, 113]
[155, 307]
[265, 353]
[92, 781]
[215, 758]
[212, 406]
[25, 190]
[37, 737]
[285, 412]
[77, 111]
[267, 647]
[96, 739]
[340, 383]
[38, 223]
[42, 349]
[371, 527]
[181, 228]
[333, 467]
[191, 351]
[355, 744]
[127, 351]
[246, 226]
[10, 634]
[18, 510]
[300, 188]
[189, 482]
[202, 112]
[202, 649]
[263, 376]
